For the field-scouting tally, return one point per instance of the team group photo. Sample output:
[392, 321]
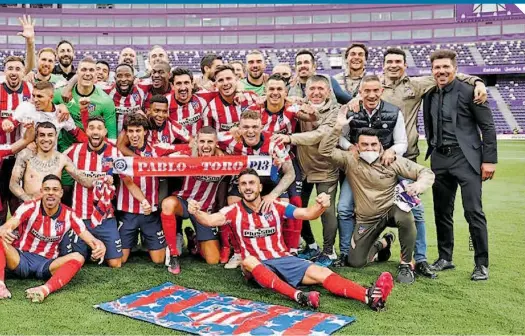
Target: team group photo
[298, 169]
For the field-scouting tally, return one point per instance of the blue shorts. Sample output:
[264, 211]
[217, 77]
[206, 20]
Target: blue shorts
[203, 233]
[107, 232]
[290, 269]
[266, 182]
[150, 228]
[32, 265]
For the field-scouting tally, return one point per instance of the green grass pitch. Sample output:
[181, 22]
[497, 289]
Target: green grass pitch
[451, 304]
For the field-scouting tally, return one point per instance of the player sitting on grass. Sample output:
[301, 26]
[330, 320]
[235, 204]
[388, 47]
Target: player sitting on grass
[266, 257]
[42, 224]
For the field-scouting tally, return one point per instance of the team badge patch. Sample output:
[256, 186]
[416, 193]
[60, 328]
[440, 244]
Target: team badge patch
[59, 226]
[361, 229]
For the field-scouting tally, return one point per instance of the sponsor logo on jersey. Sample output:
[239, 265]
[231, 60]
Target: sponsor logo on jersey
[258, 233]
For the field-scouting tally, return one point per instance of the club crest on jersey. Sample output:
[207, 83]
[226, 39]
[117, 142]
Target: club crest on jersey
[195, 104]
[91, 108]
[107, 162]
[26, 98]
[165, 139]
[269, 216]
[59, 226]
[136, 97]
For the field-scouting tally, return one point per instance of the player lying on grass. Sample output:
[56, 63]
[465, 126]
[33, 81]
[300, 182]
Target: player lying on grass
[265, 256]
[42, 224]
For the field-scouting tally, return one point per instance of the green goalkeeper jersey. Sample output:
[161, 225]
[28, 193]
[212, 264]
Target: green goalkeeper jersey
[257, 89]
[100, 104]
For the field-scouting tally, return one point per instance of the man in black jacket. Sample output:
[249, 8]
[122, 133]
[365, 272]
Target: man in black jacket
[458, 156]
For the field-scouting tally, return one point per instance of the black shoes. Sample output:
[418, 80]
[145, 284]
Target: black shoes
[423, 269]
[342, 261]
[405, 274]
[480, 273]
[385, 253]
[441, 265]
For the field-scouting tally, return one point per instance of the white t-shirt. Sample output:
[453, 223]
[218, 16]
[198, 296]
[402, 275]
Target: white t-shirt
[26, 112]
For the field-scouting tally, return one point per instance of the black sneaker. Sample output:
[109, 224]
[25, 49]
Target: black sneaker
[423, 269]
[405, 274]
[342, 261]
[309, 299]
[441, 265]
[385, 253]
[480, 273]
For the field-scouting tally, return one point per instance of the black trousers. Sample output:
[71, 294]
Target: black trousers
[452, 170]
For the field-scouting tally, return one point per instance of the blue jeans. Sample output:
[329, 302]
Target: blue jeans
[420, 250]
[345, 213]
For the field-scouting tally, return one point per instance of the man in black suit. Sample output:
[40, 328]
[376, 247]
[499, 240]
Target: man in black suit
[458, 156]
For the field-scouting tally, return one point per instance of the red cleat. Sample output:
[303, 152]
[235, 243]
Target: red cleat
[309, 299]
[380, 290]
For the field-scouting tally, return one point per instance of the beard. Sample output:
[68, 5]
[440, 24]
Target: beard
[65, 61]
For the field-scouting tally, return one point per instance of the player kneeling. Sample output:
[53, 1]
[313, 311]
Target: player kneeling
[201, 189]
[264, 253]
[42, 225]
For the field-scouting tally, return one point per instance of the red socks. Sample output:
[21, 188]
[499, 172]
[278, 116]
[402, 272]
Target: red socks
[169, 225]
[63, 275]
[224, 234]
[340, 286]
[292, 230]
[268, 279]
[2, 262]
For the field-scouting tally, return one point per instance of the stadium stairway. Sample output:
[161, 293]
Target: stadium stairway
[273, 58]
[410, 59]
[503, 107]
[476, 55]
[324, 60]
[140, 61]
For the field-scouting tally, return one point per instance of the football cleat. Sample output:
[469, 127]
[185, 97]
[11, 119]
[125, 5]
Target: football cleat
[174, 267]
[378, 293]
[309, 299]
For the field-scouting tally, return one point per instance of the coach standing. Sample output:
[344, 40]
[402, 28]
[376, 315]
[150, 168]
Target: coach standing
[458, 156]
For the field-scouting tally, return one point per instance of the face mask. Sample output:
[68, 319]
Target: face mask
[369, 156]
[286, 80]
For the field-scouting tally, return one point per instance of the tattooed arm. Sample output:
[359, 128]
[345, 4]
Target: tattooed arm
[77, 175]
[17, 175]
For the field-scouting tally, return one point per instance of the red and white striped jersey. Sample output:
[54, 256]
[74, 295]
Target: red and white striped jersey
[125, 105]
[9, 101]
[149, 185]
[266, 146]
[282, 122]
[40, 233]
[222, 116]
[172, 103]
[189, 115]
[202, 189]
[95, 164]
[168, 133]
[259, 235]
